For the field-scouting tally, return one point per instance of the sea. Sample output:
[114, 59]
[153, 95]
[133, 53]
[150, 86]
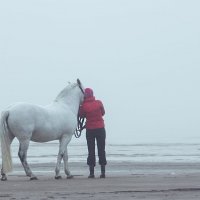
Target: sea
[135, 152]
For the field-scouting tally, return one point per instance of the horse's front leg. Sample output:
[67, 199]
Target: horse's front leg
[66, 166]
[62, 142]
[63, 155]
[57, 169]
[23, 148]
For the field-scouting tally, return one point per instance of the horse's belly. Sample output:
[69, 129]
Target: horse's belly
[44, 136]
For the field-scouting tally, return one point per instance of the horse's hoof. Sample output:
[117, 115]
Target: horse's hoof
[70, 176]
[33, 178]
[4, 178]
[58, 177]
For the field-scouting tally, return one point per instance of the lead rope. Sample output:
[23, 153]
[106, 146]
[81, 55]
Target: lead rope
[80, 126]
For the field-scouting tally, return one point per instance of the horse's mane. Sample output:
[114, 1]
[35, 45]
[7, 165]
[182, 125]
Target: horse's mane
[66, 91]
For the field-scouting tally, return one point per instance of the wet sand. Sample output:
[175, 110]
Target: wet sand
[125, 180]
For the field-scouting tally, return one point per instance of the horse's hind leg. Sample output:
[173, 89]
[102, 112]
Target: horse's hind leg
[23, 148]
[3, 174]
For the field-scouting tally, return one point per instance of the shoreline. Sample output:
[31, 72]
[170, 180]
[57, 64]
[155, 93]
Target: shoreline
[117, 167]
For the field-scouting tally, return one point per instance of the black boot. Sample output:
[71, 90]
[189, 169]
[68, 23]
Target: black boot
[91, 172]
[103, 170]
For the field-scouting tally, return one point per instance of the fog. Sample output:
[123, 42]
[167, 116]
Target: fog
[140, 57]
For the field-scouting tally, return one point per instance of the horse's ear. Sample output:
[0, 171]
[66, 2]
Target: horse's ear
[79, 82]
[80, 85]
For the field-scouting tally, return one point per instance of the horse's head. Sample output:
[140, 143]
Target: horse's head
[72, 93]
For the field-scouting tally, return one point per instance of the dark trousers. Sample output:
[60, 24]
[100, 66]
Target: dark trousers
[100, 136]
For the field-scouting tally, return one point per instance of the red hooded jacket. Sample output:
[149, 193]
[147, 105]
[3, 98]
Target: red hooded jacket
[93, 111]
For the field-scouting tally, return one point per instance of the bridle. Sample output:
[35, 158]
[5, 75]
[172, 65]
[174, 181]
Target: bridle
[80, 120]
[80, 127]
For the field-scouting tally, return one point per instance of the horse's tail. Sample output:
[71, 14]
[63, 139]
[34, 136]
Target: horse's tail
[5, 143]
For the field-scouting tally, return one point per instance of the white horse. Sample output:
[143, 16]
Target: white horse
[28, 122]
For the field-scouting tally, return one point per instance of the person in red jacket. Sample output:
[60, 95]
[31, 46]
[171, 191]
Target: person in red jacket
[93, 111]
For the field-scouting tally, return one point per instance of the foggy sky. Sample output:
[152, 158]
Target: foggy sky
[140, 57]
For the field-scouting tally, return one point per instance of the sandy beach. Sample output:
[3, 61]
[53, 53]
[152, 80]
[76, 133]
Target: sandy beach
[125, 180]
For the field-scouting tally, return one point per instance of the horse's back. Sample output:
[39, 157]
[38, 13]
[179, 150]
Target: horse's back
[22, 117]
[24, 112]
[38, 123]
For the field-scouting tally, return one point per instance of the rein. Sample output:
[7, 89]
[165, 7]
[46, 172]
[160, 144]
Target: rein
[80, 126]
[80, 120]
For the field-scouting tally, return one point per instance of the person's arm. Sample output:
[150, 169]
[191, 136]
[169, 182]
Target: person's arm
[102, 109]
[81, 112]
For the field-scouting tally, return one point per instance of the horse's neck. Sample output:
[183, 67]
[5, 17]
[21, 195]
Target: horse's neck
[70, 101]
